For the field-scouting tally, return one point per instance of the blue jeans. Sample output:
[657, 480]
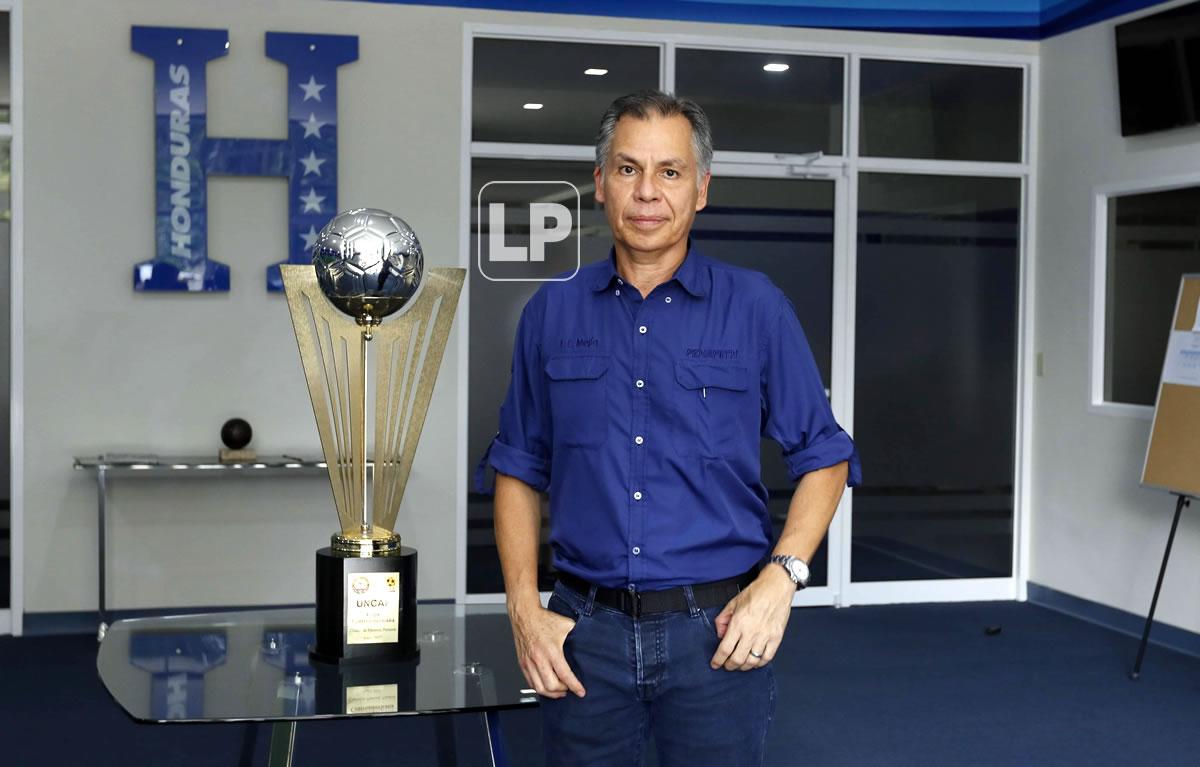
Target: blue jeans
[652, 677]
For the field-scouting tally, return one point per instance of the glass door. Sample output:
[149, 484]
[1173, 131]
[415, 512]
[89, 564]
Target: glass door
[788, 229]
[935, 382]
[6, 137]
[934, 333]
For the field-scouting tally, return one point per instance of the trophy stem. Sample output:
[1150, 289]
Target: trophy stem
[362, 419]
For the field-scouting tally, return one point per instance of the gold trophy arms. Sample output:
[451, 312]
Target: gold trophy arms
[333, 352]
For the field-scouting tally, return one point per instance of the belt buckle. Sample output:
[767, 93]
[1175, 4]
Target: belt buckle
[631, 603]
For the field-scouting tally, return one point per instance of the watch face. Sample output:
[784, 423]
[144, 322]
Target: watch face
[799, 571]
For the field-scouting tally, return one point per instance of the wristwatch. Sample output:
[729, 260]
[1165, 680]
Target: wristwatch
[796, 568]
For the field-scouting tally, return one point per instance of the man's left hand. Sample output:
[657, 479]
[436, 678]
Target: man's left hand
[751, 626]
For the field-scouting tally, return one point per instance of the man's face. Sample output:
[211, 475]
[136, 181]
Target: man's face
[648, 186]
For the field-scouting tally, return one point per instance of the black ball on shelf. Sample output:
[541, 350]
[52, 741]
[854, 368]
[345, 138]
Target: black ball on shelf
[236, 433]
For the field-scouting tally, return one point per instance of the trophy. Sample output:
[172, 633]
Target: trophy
[368, 265]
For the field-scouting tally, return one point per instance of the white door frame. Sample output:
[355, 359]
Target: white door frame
[966, 589]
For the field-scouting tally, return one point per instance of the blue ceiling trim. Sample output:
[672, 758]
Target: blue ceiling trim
[1074, 14]
[1013, 19]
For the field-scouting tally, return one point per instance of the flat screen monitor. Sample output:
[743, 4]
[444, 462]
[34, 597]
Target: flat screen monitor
[1158, 70]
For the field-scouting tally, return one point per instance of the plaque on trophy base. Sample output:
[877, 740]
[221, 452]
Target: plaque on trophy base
[365, 607]
[367, 265]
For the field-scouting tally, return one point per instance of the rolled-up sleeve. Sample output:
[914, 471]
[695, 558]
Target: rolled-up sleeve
[521, 447]
[796, 411]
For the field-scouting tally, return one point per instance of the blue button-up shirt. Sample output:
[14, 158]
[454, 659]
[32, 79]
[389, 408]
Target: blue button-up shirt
[643, 418]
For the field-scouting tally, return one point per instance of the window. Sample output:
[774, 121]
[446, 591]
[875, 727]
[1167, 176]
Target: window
[1152, 239]
[935, 376]
[571, 84]
[512, 76]
[495, 310]
[928, 111]
[766, 102]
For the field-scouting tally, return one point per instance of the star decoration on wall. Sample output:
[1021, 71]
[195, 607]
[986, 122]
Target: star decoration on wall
[312, 201]
[309, 237]
[313, 126]
[312, 89]
[312, 163]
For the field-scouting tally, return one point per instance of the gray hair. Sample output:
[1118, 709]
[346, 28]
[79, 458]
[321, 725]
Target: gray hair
[640, 105]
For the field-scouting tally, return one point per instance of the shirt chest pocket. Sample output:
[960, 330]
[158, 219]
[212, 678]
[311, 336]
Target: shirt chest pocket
[716, 410]
[578, 399]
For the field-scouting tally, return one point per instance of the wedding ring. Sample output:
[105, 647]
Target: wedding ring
[756, 654]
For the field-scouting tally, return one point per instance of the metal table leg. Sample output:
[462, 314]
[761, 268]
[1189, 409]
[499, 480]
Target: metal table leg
[447, 751]
[249, 743]
[491, 724]
[283, 743]
[102, 529]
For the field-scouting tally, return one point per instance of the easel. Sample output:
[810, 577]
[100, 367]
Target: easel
[1137, 666]
[1173, 452]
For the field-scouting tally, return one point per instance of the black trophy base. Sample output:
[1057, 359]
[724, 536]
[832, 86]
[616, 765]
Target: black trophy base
[336, 587]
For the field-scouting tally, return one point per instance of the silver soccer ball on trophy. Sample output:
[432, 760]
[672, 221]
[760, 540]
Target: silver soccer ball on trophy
[369, 263]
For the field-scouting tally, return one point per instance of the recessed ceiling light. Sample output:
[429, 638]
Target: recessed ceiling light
[533, 106]
[773, 67]
[595, 72]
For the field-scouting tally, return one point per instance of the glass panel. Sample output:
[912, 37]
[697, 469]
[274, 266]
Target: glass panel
[5, 73]
[940, 111]
[783, 228]
[495, 311]
[1153, 239]
[752, 109]
[935, 376]
[508, 74]
[5, 361]
[5, 292]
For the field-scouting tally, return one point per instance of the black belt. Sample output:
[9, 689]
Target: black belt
[638, 603]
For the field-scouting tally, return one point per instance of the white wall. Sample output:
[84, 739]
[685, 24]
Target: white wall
[106, 369]
[1096, 533]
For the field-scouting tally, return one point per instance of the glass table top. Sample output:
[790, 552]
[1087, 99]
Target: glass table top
[254, 666]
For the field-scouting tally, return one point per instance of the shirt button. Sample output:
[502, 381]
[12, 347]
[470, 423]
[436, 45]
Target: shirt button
[617, 291]
[639, 383]
[620, 281]
[637, 495]
[668, 299]
[637, 550]
[642, 329]
[638, 439]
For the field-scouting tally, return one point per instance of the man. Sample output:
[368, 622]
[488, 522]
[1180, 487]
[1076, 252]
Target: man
[640, 390]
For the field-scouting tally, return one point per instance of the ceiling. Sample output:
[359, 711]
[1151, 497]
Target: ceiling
[1021, 19]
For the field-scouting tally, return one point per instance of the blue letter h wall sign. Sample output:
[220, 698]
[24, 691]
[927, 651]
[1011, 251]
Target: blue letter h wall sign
[184, 153]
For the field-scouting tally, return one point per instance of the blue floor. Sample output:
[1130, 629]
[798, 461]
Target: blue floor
[885, 685]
